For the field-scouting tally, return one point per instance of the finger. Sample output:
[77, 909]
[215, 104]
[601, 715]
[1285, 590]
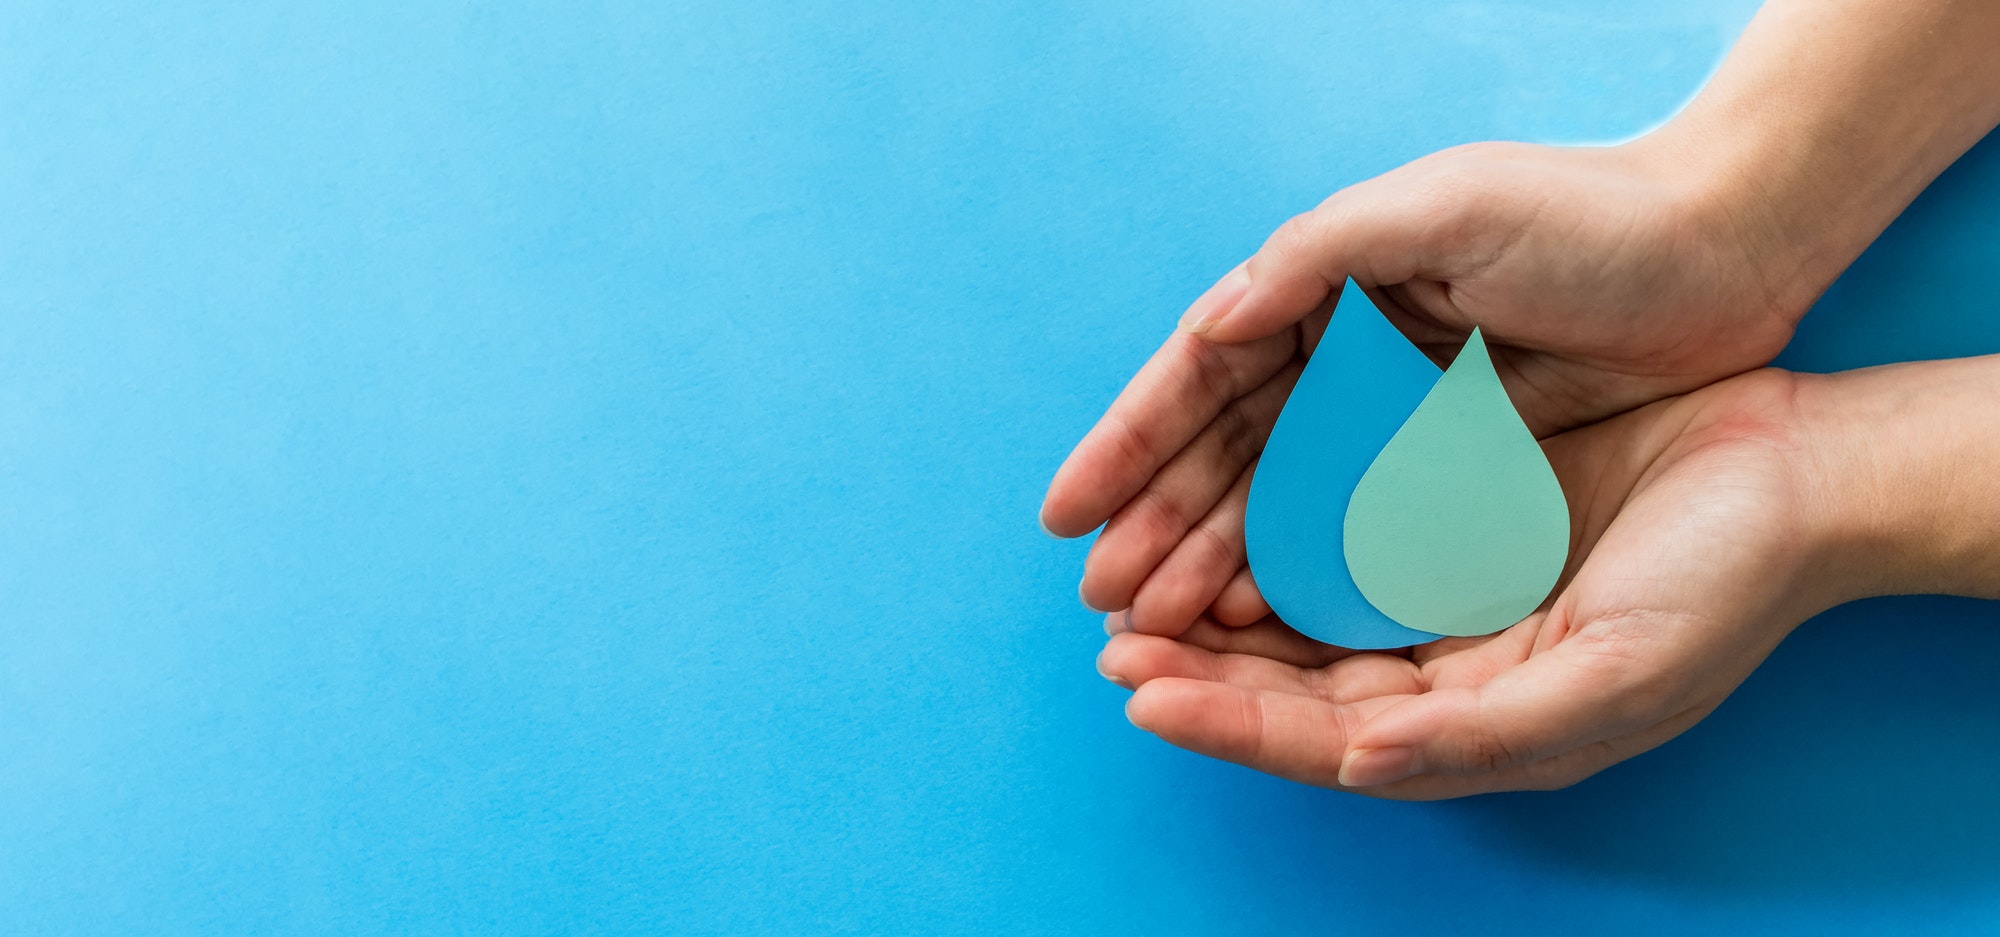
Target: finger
[1376, 232]
[1239, 603]
[1191, 576]
[1369, 675]
[1285, 734]
[1148, 527]
[1268, 637]
[1468, 661]
[1176, 394]
[1217, 299]
[1133, 660]
[1570, 696]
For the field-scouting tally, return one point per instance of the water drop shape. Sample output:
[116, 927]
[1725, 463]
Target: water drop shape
[1459, 527]
[1362, 381]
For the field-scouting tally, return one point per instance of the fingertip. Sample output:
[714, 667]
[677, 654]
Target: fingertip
[1156, 623]
[1066, 506]
[1182, 709]
[1240, 604]
[1133, 710]
[1372, 767]
[1214, 304]
[1150, 702]
[1136, 661]
[1057, 518]
[1289, 278]
[1090, 591]
[1270, 308]
[1147, 705]
[1448, 732]
[1409, 723]
[1107, 671]
[1112, 664]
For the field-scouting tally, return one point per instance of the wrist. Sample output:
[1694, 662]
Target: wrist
[1897, 467]
[1753, 200]
[1824, 122]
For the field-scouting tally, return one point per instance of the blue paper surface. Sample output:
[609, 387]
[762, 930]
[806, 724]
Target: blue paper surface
[572, 467]
[1363, 380]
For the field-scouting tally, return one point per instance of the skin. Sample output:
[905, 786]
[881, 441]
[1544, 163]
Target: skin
[1700, 553]
[1711, 525]
[1648, 280]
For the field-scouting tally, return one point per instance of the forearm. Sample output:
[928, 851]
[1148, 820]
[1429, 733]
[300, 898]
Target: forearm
[1906, 467]
[1827, 119]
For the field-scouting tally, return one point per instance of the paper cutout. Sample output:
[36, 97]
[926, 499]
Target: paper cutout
[1459, 527]
[1363, 379]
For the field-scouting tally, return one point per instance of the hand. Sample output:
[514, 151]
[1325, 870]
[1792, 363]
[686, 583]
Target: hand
[1602, 282]
[1701, 543]
[1604, 278]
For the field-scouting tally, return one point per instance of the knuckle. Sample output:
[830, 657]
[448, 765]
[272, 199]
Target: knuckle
[1211, 549]
[1156, 518]
[1251, 712]
[1213, 369]
[1487, 751]
[1299, 231]
[1319, 684]
[1240, 438]
[1132, 445]
[1615, 653]
[1298, 243]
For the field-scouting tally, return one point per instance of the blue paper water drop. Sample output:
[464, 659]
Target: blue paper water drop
[1363, 380]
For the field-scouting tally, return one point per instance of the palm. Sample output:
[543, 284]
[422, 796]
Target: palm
[1685, 578]
[1595, 297]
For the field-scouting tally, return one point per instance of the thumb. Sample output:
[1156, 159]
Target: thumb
[1556, 702]
[1360, 233]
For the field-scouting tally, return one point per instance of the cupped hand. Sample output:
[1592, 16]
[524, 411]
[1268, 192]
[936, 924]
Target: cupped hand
[1603, 278]
[1697, 549]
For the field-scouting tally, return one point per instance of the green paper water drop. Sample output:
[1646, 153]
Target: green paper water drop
[1459, 526]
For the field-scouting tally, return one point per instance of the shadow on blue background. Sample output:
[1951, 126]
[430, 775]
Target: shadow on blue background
[572, 468]
[1847, 762]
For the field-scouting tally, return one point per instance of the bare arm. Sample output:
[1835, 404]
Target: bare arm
[1826, 121]
[1908, 458]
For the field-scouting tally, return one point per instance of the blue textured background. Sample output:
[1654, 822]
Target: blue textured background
[572, 467]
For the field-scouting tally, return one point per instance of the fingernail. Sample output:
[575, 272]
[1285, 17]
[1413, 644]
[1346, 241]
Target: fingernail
[1134, 721]
[1045, 528]
[1118, 622]
[1368, 767]
[1216, 303]
[1108, 675]
[1086, 601]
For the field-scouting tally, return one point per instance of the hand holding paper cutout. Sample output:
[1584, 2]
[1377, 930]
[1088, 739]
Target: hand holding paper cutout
[1692, 514]
[1597, 286]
